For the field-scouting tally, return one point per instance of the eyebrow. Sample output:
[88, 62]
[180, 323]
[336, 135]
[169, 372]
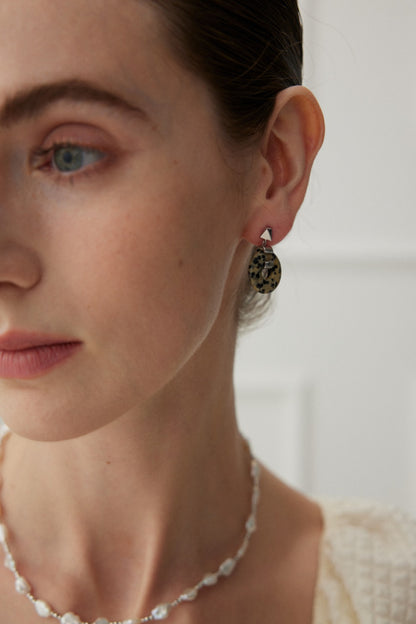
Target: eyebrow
[31, 102]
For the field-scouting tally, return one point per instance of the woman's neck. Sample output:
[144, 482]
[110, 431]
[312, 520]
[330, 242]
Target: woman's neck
[141, 507]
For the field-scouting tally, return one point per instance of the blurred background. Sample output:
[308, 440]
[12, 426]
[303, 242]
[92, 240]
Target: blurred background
[327, 385]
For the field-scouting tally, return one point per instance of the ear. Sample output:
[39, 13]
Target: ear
[292, 139]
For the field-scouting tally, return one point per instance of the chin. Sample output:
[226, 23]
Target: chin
[51, 410]
[42, 432]
[48, 424]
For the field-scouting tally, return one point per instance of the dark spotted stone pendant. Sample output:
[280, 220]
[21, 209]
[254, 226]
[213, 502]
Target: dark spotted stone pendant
[265, 270]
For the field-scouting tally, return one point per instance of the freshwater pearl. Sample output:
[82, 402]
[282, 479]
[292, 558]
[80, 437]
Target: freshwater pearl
[251, 524]
[42, 608]
[8, 562]
[255, 470]
[189, 594]
[227, 567]
[22, 586]
[3, 534]
[210, 579]
[4, 431]
[161, 612]
[70, 618]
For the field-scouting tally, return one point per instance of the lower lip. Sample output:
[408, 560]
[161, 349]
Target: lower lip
[29, 363]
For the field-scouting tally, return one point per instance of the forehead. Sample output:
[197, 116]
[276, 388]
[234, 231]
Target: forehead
[105, 41]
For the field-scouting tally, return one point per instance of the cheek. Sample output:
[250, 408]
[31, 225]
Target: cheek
[147, 287]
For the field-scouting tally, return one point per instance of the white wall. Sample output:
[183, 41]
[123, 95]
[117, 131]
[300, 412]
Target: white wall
[327, 388]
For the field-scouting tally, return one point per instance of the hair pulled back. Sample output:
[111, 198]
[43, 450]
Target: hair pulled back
[246, 51]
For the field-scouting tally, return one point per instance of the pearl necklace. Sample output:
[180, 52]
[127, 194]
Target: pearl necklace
[161, 612]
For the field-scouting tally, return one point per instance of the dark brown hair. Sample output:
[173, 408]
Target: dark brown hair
[247, 51]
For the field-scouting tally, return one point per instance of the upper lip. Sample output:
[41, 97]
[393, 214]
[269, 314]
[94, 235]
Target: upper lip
[18, 340]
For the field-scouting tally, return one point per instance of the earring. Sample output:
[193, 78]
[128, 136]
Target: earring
[265, 270]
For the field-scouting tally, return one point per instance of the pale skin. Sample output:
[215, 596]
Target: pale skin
[126, 479]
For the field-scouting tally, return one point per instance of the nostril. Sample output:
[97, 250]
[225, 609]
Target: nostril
[19, 266]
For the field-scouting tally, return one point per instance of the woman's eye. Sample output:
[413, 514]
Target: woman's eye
[72, 158]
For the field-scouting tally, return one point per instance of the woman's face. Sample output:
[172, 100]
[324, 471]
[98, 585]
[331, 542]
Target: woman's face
[118, 222]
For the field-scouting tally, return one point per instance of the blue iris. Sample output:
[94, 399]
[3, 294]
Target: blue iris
[73, 158]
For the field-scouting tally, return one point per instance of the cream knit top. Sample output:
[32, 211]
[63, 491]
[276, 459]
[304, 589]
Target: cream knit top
[367, 572]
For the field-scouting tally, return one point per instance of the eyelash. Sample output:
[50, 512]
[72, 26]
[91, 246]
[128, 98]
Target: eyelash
[67, 177]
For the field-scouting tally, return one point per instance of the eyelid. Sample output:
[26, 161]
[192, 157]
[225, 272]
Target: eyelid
[81, 134]
[76, 134]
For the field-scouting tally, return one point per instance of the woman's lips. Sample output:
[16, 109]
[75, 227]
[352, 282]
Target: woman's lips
[26, 363]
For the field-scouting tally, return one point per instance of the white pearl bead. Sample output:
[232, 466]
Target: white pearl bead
[42, 608]
[251, 524]
[210, 579]
[3, 533]
[4, 430]
[9, 562]
[189, 594]
[255, 470]
[101, 621]
[227, 567]
[130, 622]
[70, 618]
[161, 612]
[21, 585]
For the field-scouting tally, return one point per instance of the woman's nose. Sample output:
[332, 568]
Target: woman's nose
[19, 265]
[19, 262]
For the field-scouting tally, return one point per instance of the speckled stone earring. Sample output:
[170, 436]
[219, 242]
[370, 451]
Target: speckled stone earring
[265, 270]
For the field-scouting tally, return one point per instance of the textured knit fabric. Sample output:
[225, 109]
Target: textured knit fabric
[367, 571]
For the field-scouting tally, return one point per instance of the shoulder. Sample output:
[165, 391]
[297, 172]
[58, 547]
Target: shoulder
[367, 572]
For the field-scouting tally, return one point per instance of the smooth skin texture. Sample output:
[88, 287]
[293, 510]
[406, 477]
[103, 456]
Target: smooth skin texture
[126, 478]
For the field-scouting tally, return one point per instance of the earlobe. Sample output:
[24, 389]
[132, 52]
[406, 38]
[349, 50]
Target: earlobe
[290, 144]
